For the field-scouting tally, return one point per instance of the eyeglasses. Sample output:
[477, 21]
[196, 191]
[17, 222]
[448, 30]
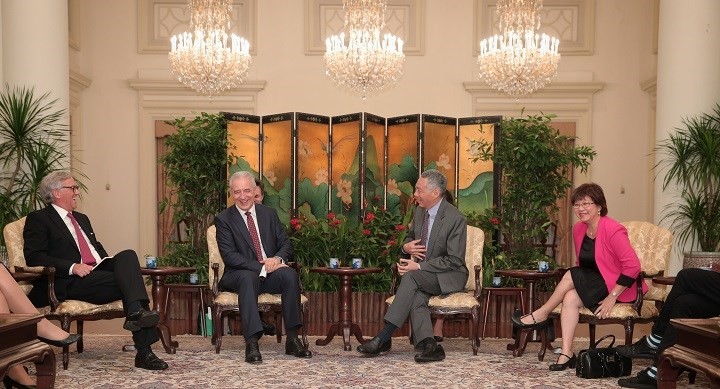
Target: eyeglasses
[584, 205]
[74, 188]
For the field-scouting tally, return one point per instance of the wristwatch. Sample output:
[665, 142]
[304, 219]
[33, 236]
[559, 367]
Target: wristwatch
[614, 294]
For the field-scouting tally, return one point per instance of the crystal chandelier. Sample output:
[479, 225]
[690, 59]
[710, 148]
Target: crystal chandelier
[209, 60]
[369, 62]
[519, 60]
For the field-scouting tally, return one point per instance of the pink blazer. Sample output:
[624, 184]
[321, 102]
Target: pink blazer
[613, 253]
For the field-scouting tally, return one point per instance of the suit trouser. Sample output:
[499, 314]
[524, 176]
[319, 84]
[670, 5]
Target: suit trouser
[117, 278]
[695, 294]
[247, 284]
[416, 288]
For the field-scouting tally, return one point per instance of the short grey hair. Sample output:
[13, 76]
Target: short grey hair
[52, 182]
[435, 179]
[242, 174]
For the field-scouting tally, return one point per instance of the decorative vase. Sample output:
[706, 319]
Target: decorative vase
[703, 259]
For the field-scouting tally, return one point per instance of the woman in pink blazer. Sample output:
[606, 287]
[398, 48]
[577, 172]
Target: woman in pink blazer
[607, 267]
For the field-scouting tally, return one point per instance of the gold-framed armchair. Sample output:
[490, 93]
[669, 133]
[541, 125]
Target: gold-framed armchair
[66, 311]
[226, 303]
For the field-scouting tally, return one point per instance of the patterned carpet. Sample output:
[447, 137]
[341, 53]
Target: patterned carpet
[105, 365]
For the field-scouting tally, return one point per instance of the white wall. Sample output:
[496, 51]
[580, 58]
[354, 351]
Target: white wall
[431, 84]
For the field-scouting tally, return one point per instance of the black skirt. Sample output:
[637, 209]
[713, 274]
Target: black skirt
[589, 285]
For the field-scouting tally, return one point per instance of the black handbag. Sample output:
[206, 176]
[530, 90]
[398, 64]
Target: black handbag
[602, 362]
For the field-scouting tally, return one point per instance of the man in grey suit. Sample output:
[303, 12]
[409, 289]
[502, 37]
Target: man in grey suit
[434, 264]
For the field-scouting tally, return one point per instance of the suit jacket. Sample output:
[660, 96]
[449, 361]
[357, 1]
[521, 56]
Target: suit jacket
[447, 242]
[48, 242]
[613, 254]
[235, 244]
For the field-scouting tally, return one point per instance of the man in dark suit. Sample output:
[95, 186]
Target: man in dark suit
[58, 236]
[255, 248]
[433, 264]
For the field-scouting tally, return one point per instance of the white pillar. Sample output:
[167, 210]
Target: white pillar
[35, 48]
[688, 78]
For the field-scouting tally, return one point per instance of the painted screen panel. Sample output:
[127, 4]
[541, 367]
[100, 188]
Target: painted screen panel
[277, 165]
[476, 184]
[345, 166]
[439, 147]
[244, 137]
[402, 161]
[313, 137]
[374, 160]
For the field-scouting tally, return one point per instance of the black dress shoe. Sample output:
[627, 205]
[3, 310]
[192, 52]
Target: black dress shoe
[252, 353]
[641, 380]
[432, 352]
[269, 329]
[11, 383]
[72, 338]
[438, 338]
[639, 349]
[297, 348]
[562, 366]
[374, 347]
[150, 362]
[141, 319]
[517, 321]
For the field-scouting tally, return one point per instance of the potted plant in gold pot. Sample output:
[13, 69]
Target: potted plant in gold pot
[690, 160]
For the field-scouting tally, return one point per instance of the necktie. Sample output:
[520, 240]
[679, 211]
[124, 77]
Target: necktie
[85, 253]
[424, 233]
[254, 235]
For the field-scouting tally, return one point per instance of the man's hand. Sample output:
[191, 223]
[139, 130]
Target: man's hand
[81, 269]
[405, 265]
[414, 248]
[272, 264]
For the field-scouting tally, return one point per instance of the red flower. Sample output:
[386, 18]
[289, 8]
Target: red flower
[330, 216]
[495, 221]
[376, 198]
[384, 252]
[399, 227]
[366, 232]
[294, 222]
[297, 226]
[369, 217]
[336, 222]
[392, 242]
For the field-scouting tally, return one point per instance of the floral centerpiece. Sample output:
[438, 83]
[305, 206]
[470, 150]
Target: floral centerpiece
[376, 239]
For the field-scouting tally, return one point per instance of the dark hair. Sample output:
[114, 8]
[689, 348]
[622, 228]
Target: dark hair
[260, 185]
[594, 192]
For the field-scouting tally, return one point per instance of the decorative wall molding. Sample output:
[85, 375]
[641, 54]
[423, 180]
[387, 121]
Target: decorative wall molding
[403, 18]
[570, 101]
[159, 20]
[160, 98]
[571, 21]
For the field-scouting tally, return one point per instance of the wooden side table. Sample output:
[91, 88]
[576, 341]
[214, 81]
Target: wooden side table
[497, 293]
[697, 347]
[345, 327]
[189, 291]
[19, 344]
[159, 293]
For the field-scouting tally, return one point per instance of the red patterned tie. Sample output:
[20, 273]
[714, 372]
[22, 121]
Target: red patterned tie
[254, 235]
[424, 232]
[85, 253]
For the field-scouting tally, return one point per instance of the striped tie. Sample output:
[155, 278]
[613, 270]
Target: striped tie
[424, 233]
[254, 235]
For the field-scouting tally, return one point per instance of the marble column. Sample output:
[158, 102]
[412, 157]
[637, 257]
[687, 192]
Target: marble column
[688, 79]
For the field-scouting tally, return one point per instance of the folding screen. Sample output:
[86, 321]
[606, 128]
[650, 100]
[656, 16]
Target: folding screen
[312, 164]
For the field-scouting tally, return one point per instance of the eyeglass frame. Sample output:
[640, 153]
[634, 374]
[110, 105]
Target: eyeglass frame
[74, 188]
[583, 205]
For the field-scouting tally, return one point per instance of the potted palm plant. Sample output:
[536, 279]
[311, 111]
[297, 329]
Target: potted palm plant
[690, 158]
[33, 143]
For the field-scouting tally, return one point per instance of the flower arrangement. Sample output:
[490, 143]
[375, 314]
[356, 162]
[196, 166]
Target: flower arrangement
[376, 238]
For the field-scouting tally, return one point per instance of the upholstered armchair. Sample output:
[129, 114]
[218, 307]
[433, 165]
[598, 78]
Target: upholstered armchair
[464, 304]
[67, 311]
[652, 245]
[225, 303]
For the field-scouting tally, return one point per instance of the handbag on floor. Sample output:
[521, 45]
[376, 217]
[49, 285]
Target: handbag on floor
[602, 362]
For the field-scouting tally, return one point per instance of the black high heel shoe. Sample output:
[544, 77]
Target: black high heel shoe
[562, 366]
[517, 321]
[11, 383]
[72, 338]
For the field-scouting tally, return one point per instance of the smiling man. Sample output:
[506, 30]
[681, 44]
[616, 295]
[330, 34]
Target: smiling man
[433, 264]
[60, 237]
[255, 248]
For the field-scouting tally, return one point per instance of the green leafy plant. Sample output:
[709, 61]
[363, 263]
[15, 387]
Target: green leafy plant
[196, 159]
[33, 143]
[691, 161]
[535, 163]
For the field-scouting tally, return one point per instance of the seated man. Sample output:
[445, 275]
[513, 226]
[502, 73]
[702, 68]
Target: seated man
[255, 247]
[435, 246]
[59, 237]
[695, 295]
